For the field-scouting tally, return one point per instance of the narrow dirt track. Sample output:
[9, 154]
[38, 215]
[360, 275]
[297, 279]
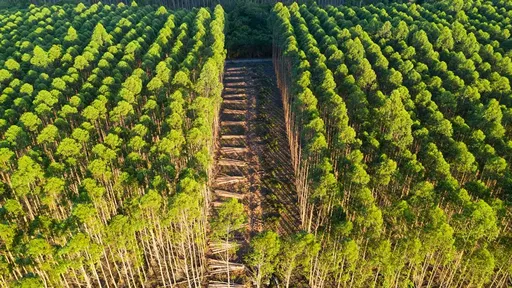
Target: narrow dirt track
[252, 163]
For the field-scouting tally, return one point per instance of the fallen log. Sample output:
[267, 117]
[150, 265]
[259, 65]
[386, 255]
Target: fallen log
[230, 180]
[233, 123]
[231, 162]
[234, 95]
[242, 101]
[232, 137]
[218, 265]
[234, 111]
[228, 194]
[222, 247]
[234, 149]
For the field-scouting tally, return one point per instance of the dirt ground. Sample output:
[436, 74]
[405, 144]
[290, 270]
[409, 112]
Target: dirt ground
[253, 161]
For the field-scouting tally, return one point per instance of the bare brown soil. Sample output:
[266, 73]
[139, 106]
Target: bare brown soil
[253, 162]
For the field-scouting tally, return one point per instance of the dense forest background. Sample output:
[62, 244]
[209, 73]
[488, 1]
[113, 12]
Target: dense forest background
[198, 3]
[247, 34]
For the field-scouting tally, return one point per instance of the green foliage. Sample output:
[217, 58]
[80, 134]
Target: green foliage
[40, 58]
[230, 217]
[398, 119]
[92, 174]
[426, 141]
[262, 256]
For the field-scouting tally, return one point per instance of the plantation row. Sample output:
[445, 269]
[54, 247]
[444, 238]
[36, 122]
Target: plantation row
[400, 124]
[182, 4]
[399, 120]
[107, 123]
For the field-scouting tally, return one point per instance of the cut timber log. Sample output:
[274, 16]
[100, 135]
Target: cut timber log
[235, 68]
[233, 123]
[231, 162]
[219, 265]
[229, 77]
[242, 101]
[230, 180]
[235, 95]
[229, 194]
[217, 203]
[234, 84]
[234, 111]
[221, 244]
[232, 90]
[232, 137]
[234, 149]
[221, 247]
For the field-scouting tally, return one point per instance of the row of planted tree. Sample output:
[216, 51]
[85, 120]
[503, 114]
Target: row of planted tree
[107, 118]
[107, 121]
[399, 120]
[186, 4]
